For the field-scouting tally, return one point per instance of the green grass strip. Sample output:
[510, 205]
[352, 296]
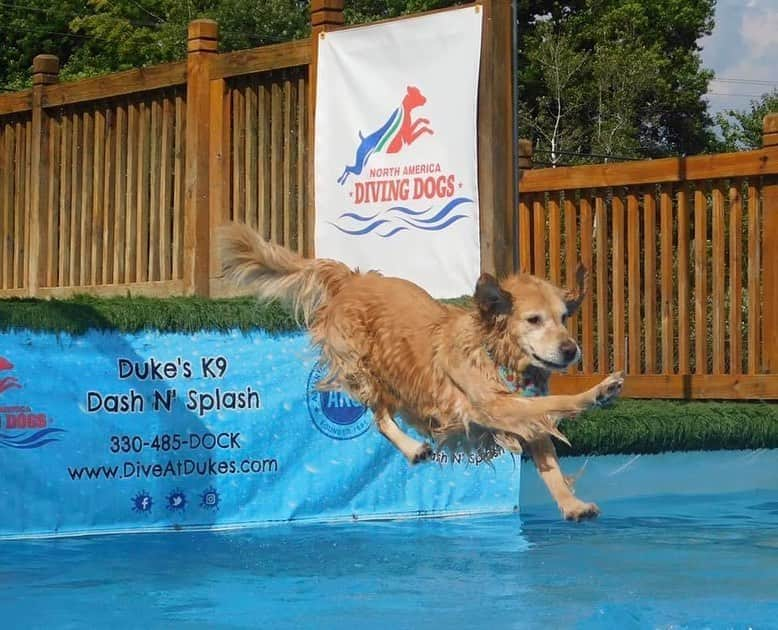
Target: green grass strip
[657, 426]
[80, 314]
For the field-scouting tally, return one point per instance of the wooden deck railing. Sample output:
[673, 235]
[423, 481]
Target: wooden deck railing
[107, 184]
[683, 255]
[115, 184]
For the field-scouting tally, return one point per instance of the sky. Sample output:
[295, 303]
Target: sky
[743, 52]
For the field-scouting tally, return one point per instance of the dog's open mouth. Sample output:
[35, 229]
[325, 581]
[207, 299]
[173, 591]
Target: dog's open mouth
[549, 364]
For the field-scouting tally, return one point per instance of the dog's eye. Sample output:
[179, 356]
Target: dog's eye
[534, 320]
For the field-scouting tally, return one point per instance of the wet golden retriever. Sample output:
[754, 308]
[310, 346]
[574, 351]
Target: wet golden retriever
[401, 353]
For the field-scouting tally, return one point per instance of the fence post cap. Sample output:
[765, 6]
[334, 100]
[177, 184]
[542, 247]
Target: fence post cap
[45, 69]
[770, 123]
[770, 131]
[525, 155]
[326, 5]
[202, 34]
[326, 13]
[45, 63]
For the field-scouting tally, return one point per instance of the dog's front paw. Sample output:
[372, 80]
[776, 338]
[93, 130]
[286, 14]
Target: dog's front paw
[579, 510]
[422, 454]
[609, 389]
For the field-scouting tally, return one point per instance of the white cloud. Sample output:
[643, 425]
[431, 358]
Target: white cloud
[743, 49]
[760, 31]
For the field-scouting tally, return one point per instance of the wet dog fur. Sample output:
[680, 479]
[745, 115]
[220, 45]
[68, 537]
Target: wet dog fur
[391, 346]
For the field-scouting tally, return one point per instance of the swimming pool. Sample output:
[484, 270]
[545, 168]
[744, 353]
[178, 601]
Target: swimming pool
[672, 561]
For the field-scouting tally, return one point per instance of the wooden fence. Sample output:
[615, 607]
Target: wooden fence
[115, 184]
[684, 256]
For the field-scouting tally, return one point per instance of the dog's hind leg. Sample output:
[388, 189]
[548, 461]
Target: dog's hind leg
[544, 455]
[342, 179]
[413, 450]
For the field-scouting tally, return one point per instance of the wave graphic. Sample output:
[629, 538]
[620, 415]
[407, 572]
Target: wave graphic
[400, 219]
[37, 439]
[8, 382]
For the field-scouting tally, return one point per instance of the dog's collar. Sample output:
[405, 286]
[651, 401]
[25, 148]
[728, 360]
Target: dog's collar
[516, 381]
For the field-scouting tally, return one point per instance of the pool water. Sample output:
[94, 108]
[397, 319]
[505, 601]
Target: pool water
[664, 562]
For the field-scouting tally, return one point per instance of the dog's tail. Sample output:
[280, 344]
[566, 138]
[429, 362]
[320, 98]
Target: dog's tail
[274, 272]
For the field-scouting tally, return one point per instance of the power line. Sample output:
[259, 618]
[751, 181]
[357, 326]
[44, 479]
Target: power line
[60, 34]
[115, 18]
[594, 155]
[118, 19]
[734, 94]
[747, 81]
[24, 8]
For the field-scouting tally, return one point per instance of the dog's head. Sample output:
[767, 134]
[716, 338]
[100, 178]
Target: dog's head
[526, 314]
[413, 97]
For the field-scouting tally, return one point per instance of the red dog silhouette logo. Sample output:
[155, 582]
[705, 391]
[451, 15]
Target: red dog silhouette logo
[22, 417]
[400, 130]
[7, 382]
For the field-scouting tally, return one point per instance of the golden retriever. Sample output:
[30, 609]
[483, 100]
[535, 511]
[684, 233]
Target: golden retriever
[394, 348]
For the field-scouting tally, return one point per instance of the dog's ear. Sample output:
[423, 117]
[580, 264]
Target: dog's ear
[574, 296]
[490, 298]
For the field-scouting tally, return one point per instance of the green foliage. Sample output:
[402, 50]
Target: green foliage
[741, 129]
[33, 27]
[102, 36]
[619, 77]
[639, 91]
[657, 426]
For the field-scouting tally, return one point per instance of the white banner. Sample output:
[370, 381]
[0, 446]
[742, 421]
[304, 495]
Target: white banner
[396, 174]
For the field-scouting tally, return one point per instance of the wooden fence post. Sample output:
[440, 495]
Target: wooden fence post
[525, 157]
[203, 41]
[523, 231]
[495, 137]
[769, 255]
[326, 15]
[45, 71]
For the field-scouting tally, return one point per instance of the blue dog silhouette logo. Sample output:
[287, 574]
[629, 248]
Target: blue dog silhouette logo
[335, 413]
[400, 130]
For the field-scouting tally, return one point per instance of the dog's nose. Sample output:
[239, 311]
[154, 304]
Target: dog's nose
[568, 349]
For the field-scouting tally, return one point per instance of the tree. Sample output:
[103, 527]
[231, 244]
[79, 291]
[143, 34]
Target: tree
[37, 26]
[624, 75]
[660, 110]
[636, 87]
[101, 36]
[554, 118]
[741, 130]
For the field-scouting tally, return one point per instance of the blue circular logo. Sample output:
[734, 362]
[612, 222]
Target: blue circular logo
[335, 413]
[176, 501]
[210, 499]
[142, 502]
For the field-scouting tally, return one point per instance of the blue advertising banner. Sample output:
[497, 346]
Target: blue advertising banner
[110, 432]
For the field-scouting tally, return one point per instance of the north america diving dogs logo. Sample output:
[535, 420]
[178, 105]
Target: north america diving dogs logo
[400, 130]
[334, 413]
[20, 427]
[399, 185]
